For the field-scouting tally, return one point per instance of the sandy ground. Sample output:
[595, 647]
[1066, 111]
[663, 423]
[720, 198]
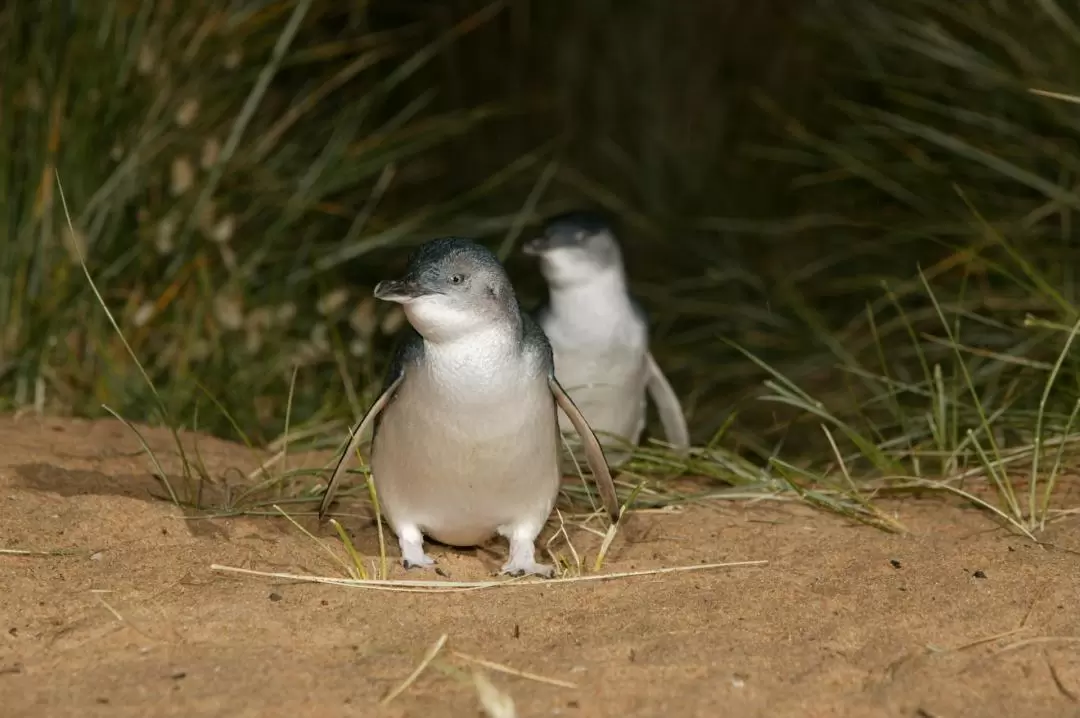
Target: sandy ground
[959, 618]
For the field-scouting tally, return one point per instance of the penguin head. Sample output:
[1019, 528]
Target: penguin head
[452, 287]
[575, 247]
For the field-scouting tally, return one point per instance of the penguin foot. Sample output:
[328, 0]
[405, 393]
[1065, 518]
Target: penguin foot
[529, 568]
[523, 554]
[411, 542]
[424, 562]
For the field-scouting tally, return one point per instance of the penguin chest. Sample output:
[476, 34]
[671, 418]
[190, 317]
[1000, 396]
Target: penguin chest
[463, 458]
[607, 382]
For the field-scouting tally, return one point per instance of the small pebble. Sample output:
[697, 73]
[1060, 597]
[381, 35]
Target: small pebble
[275, 597]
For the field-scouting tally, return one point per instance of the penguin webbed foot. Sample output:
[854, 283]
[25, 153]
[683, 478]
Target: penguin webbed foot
[411, 542]
[532, 568]
[426, 562]
[522, 560]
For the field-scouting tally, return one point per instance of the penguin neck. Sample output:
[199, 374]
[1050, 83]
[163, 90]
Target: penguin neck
[478, 356]
[602, 300]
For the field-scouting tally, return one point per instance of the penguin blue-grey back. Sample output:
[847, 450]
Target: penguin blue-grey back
[465, 436]
[599, 334]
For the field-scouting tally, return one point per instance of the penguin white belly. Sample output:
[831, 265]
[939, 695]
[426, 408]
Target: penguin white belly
[467, 461]
[608, 386]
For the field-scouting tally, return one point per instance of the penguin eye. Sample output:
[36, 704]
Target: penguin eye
[457, 278]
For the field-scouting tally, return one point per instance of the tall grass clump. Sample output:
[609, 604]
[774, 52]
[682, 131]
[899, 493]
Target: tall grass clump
[229, 168]
[954, 182]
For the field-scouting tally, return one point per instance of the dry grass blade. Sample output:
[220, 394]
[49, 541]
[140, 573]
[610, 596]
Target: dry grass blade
[978, 641]
[31, 552]
[513, 671]
[359, 571]
[440, 586]
[119, 616]
[1055, 95]
[428, 658]
[1038, 641]
[349, 571]
[384, 569]
[613, 528]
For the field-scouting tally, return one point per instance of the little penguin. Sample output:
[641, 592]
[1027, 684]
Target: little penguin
[599, 335]
[465, 434]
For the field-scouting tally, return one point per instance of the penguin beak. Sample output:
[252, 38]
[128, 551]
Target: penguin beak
[399, 290]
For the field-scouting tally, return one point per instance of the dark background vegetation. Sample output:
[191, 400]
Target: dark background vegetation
[861, 203]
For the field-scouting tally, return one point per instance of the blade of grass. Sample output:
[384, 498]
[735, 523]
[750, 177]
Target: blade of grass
[131, 353]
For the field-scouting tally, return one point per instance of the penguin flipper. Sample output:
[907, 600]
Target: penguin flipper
[594, 454]
[667, 406]
[354, 441]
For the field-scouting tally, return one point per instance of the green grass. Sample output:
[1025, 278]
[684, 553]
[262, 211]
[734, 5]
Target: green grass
[221, 170]
[857, 245]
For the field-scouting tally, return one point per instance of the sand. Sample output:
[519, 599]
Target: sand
[957, 618]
